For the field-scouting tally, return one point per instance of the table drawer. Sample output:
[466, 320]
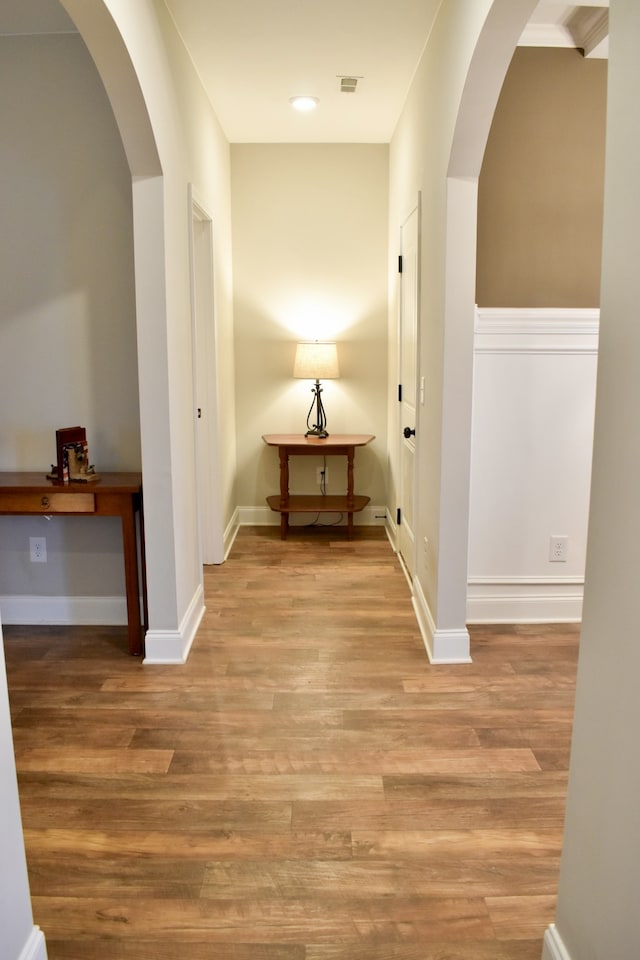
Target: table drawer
[53, 502]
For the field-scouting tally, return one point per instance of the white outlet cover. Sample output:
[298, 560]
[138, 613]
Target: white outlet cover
[558, 548]
[38, 549]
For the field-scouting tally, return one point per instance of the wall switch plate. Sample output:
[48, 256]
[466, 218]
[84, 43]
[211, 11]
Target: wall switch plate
[38, 549]
[558, 548]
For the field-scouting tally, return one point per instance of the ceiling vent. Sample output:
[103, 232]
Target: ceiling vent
[348, 84]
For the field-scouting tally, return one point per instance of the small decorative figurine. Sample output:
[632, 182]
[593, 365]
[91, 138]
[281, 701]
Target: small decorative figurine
[73, 457]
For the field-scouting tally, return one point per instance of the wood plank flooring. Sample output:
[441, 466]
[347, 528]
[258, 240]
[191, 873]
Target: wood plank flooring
[307, 786]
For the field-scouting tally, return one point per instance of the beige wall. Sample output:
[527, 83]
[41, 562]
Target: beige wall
[208, 169]
[541, 186]
[310, 262]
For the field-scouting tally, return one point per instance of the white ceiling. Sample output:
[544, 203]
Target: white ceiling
[253, 55]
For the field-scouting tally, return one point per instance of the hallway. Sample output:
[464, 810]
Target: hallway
[307, 786]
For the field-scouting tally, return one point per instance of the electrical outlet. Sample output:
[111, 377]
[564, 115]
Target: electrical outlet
[322, 476]
[558, 548]
[38, 549]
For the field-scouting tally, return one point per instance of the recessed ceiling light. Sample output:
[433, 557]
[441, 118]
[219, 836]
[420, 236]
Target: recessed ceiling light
[304, 104]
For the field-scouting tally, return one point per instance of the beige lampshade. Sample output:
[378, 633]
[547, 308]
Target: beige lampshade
[316, 360]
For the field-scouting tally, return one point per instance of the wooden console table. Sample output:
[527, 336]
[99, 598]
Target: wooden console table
[113, 495]
[297, 445]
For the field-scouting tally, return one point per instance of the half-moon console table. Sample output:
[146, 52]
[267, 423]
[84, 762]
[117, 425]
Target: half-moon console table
[113, 495]
[297, 445]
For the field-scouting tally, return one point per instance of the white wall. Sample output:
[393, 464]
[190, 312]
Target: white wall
[310, 262]
[170, 137]
[19, 938]
[67, 308]
[597, 913]
[532, 438]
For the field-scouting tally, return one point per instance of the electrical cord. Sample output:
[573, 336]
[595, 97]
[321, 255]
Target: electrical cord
[316, 522]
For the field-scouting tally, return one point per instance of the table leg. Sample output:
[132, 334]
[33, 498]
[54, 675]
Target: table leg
[284, 493]
[143, 566]
[350, 459]
[131, 576]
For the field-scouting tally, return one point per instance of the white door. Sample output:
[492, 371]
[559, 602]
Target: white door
[205, 386]
[408, 376]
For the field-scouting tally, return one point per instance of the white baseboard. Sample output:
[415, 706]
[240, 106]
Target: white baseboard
[392, 531]
[553, 945]
[265, 517]
[442, 646]
[231, 533]
[162, 646]
[173, 646]
[524, 600]
[100, 611]
[35, 948]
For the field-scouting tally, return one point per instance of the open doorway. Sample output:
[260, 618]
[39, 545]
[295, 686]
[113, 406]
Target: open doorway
[540, 202]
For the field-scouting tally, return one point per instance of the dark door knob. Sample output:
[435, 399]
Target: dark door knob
[408, 432]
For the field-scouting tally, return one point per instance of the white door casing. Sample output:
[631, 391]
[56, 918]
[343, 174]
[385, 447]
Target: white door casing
[206, 407]
[408, 379]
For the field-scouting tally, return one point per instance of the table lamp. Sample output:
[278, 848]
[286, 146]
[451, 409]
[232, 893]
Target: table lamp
[316, 360]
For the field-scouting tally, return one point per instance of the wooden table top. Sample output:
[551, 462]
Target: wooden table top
[34, 481]
[334, 440]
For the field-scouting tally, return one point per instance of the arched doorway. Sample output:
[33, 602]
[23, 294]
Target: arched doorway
[113, 47]
[494, 50]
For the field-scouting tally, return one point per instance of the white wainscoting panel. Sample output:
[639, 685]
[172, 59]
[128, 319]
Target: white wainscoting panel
[532, 438]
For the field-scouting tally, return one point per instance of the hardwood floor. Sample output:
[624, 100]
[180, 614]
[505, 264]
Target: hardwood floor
[307, 786]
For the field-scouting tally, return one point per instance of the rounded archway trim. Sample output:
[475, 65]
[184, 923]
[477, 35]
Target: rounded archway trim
[503, 27]
[106, 45]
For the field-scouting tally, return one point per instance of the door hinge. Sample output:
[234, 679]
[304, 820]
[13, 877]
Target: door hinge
[399, 393]
[400, 264]
[399, 516]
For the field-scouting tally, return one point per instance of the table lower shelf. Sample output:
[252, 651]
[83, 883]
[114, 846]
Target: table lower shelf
[316, 503]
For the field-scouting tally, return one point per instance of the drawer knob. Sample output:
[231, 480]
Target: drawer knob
[44, 502]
